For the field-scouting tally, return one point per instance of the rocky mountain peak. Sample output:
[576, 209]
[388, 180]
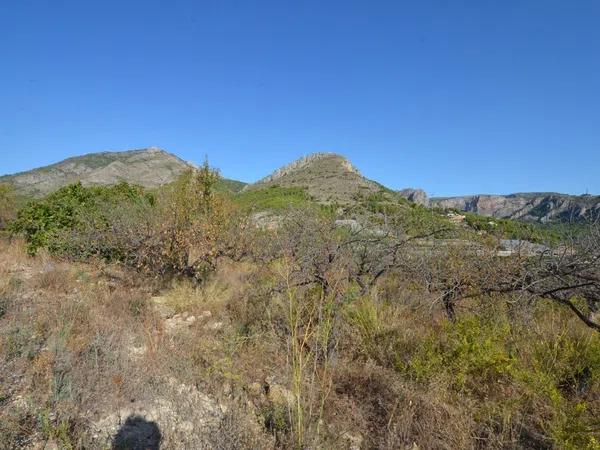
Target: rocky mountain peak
[327, 177]
[418, 196]
[147, 167]
[306, 161]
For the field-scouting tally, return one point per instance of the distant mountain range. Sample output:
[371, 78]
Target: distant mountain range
[327, 177]
[532, 206]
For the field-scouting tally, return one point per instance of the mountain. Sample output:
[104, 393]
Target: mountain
[327, 177]
[538, 207]
[150, 168]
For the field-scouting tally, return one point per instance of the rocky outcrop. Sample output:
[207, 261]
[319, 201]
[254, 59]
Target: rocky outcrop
[306, 162]
[538, 207]
[418, 196]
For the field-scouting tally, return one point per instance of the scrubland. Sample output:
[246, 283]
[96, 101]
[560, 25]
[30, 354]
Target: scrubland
[172, 320]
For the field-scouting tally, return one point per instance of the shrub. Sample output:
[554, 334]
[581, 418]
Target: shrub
[192, 228]
[44, 221]
[514, 229]
[471, 350]
[182, 229]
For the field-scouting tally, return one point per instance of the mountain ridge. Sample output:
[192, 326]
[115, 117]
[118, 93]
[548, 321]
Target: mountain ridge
[326, 177]
[147, 167]
[528, 206]
[305, 161]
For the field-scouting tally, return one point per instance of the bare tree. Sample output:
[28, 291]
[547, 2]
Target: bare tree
[568, 274]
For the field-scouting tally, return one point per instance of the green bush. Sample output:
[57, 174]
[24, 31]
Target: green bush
[542, 377]
[471, 350]
[183, 228]
[43, 221]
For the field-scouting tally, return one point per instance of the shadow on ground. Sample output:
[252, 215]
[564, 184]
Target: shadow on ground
[137, 433]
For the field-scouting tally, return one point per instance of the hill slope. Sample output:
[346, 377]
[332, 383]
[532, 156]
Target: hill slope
[327, 177]
[149, 168]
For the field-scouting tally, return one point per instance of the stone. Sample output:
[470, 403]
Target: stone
[179, 417]
[226, 388]
[266, 220]
[137, 351]
[179, 322]
[204, 315]
[214, 326]
[351, 224]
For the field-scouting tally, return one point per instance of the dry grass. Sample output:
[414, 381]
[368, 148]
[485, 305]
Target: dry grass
[78, 345]
[83, 346]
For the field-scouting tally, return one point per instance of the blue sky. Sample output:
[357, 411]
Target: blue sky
[456, 97]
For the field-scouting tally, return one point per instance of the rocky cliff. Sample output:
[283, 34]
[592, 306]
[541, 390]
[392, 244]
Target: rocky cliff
[418, 196]
[539, 207]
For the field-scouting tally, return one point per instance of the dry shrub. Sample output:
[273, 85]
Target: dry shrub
[67, 338]
[239, 430]
[257, 309]
[186, 233]
[390, 414]
[12, 254]
[184, 295]
[386, 364]
[58, 279]
[13, 262]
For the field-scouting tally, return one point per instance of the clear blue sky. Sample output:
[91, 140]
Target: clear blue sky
[455, 97]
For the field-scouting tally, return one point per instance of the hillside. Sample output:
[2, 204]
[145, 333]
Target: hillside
[176, 321]
[182, 319]
[327, 177]
[537, 207]
[150, 168]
